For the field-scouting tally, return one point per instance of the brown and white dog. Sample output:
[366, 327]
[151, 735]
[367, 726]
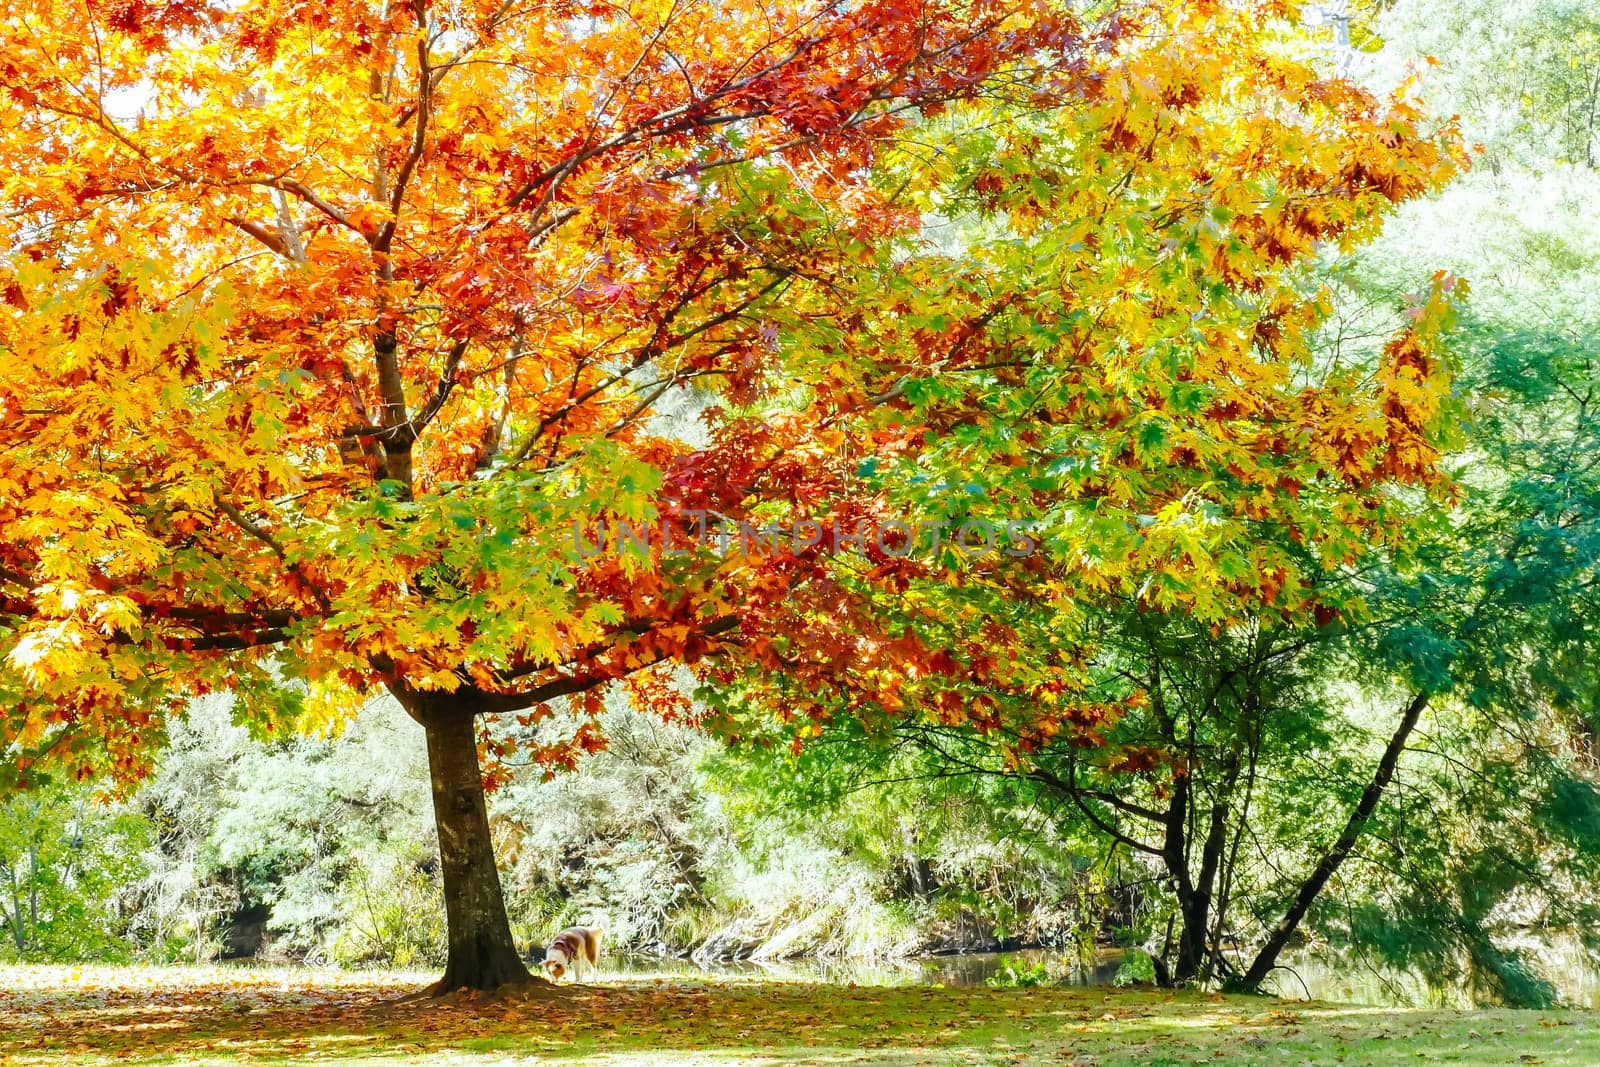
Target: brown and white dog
[575, 947]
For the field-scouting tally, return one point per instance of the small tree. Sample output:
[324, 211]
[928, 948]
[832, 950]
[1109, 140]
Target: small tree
[62, 865]
[1209, 484]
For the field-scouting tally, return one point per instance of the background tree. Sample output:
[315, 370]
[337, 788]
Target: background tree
[1213, 483]
[1396, 754]
[62, 864]
[1507, 776]
[1526, 73]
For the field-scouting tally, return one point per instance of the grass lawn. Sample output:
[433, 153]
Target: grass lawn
[212, 1015]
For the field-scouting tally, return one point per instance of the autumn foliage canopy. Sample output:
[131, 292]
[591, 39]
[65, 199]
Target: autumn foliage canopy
[324, 322]
[324, 325]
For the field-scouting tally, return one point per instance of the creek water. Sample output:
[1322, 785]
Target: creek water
[1305, 975]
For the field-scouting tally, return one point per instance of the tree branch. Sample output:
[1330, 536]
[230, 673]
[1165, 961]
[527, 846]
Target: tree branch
[1267, 958]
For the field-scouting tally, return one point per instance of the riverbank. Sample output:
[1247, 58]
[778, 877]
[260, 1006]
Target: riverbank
[98, 1016]
[1304, 975]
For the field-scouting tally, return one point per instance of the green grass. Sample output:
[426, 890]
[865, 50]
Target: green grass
[212, 1015]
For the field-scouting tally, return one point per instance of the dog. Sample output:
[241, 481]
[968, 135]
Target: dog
[576, 947]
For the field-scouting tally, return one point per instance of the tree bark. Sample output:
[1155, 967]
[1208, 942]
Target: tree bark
[1267, 959]
[1194, 902]
[482, 954]
[1205, 887]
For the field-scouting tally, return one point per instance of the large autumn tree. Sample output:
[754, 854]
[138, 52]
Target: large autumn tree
[323, 330]
[324, 326]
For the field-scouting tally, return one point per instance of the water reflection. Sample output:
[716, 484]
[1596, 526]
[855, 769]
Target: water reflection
[1304, 975]
[971, 969]
[1320, 976]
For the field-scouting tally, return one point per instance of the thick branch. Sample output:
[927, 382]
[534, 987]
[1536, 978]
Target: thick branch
[566, 685]
[300, 191]
[1267, 959]
[419, 134]
[260, 233]
[441, 392]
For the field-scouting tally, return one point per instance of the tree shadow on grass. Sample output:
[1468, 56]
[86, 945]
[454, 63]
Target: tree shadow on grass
[211, 1016]
[218, 1020]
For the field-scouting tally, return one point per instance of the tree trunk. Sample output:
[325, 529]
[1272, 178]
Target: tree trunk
[482, 953]
[1193, 902]
[18, 933]
[1205, 888]
[1266, 960]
